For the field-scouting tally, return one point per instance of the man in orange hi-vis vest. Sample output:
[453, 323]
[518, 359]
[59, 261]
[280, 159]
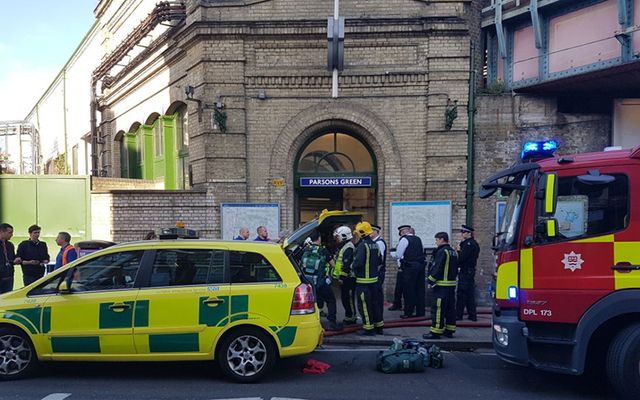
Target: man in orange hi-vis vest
[67, 252]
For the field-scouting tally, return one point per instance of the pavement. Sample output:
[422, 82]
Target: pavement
[469, 335]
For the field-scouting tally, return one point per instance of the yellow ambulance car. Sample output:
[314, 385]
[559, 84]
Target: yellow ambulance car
[243, 303]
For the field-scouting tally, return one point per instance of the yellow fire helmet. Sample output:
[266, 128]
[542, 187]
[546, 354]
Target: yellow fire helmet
[364, 229]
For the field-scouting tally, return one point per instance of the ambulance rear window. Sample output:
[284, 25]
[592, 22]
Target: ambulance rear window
[248, 267]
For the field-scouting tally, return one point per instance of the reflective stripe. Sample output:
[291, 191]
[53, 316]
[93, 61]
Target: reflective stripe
[438, 313]
[366, 323]
[451, 328]
[445, 274]
[446, 283]
[367, 280]
[66, 252]
[379, 324]
[549, 194]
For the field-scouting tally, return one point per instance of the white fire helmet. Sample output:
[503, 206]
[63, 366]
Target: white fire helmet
[344, 233]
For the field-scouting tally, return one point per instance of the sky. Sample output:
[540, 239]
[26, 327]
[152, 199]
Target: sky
[37, 37]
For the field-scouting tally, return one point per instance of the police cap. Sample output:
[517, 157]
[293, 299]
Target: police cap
[466, 228]
[401, 227]
[376, 227]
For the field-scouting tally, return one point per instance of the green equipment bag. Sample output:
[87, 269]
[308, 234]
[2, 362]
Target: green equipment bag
[433, 356]
[399, 361]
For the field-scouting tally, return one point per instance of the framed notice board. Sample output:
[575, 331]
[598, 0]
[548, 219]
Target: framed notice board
[251, 215]
[426, 217]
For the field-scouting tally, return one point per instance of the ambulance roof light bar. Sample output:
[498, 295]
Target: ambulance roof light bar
[538, 149]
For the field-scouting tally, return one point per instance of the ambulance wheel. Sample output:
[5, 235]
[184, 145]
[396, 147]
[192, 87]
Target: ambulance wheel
[246, 354]
[17, 354]
[623, 362]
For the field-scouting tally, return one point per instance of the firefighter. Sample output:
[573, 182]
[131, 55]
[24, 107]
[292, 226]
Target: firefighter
[442, 279]
[382, 270]
[468, 251]
[316, 265]
[410, 256]
[344, 272]
[365, 265]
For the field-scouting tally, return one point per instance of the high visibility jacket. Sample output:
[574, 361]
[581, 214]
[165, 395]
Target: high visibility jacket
[444, 266]
[366, 261]
[344, 261]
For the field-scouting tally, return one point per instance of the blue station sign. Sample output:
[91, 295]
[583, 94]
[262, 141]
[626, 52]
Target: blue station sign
[350, 181]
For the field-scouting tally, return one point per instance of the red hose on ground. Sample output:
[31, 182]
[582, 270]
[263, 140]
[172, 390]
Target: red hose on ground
[408, 323]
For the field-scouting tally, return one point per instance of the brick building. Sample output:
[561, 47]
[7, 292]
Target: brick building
[231, 100]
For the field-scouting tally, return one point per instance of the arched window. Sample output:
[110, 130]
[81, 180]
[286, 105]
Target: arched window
[124, 154]
[335, 153]
[182, 147]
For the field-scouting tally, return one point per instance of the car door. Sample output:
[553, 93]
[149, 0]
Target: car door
[184, 304]
[258, 293]
[95, 318]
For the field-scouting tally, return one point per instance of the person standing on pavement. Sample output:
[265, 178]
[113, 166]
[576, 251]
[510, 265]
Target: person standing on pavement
[366, 262]
[410, 256]
[7, 258]
[382, 270]
[67, 251]
[344, 272]
[34, 255]
[263, 235]
[317, 264]
[243, 234]
[442, 279]
[468, 252]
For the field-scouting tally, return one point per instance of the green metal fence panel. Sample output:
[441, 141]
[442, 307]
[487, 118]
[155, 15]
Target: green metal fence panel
[55, 203]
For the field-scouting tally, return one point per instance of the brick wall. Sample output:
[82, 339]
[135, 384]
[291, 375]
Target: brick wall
[503, 124]
[127, 215]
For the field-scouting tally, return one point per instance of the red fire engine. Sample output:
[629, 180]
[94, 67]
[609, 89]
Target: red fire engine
[568, 263]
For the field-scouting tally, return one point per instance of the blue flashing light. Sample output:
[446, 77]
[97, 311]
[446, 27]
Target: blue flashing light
[539, 149]
[512, 292]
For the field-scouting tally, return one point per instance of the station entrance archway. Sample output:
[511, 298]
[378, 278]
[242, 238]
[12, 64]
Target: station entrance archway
[335, 170]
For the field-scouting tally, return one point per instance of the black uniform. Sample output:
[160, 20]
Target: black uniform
[442, 274]
[28, 250]
[7, 255]
[413, 266]
[382, 271]
[467, 259]
[365, 267]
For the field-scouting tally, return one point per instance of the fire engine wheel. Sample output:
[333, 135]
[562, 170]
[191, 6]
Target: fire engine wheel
[623, 362]
[17, 355]
[246, 355]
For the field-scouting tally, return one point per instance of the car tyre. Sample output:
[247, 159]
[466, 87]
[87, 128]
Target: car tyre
[623, 362]
[246, 355]
[17, 355]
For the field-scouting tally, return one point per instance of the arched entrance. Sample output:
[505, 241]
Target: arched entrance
[335, 170]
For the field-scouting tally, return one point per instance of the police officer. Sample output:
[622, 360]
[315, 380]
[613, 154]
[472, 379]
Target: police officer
[365, 266]
[344, 273]
[442, 279]
[410, 256]
[316, 265]
[468, 252]
[382, 270]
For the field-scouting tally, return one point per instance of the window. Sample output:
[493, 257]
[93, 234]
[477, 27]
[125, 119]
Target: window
[158, 137]
[109, 272]
[590, 210]
[251, 268]
[124, 158]
[178, 267]
[182, 147]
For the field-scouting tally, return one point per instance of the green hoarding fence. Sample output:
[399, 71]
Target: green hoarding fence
[56, 203]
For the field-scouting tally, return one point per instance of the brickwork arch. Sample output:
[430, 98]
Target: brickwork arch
[347, 117]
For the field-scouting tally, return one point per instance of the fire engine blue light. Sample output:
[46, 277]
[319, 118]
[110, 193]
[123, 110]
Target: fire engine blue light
[512, 292]
[544, 148]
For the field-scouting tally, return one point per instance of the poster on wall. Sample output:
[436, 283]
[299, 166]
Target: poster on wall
[251, 215]
[426, 217]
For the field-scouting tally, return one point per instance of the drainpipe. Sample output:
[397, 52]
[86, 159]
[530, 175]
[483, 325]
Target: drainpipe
[64, 119]
[471, 110]
[94, 131]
